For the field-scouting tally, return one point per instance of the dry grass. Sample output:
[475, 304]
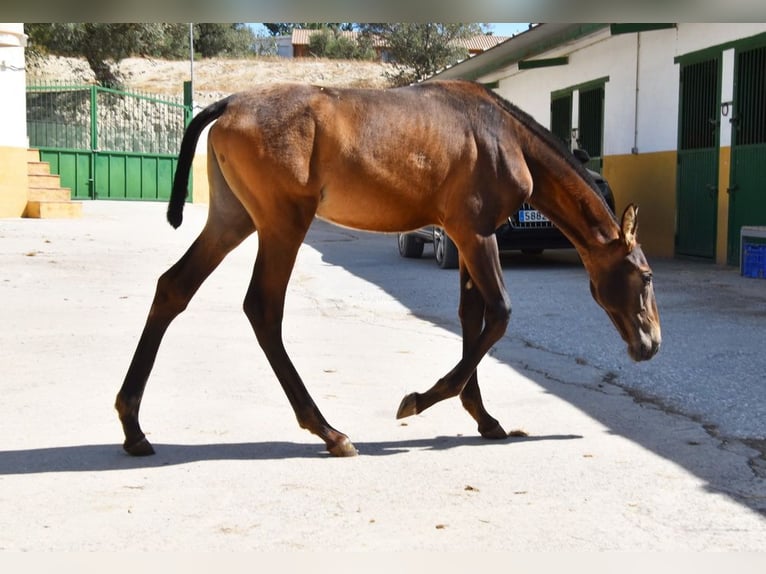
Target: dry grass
[215, 78]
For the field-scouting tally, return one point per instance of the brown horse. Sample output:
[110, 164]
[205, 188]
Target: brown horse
[451, 153]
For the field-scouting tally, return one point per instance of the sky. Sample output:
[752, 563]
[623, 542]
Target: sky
[508, 28]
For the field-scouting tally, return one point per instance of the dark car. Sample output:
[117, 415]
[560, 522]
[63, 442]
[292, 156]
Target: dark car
[527, 230]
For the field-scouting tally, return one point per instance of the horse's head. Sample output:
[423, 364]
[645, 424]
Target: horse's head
[621, 283]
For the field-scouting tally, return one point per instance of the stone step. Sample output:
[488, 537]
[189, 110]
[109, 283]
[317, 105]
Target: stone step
[53, 209]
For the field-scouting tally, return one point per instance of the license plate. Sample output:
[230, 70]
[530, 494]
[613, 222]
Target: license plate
[531, 216]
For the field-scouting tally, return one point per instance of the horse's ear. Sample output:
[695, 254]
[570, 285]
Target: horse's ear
[630, 225]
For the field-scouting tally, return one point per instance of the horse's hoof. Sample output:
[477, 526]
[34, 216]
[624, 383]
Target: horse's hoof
[408, 406]
[344, 448]
[518, 433]
[495, 433]
[141, 448]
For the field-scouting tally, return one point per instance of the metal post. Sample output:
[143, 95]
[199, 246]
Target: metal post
[191, 60]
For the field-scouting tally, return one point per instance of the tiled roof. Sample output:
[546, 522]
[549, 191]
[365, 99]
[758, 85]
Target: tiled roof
[483, 42]
[301, 36]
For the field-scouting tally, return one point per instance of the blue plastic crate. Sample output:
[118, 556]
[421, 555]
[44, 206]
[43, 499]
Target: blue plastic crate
[754, 260]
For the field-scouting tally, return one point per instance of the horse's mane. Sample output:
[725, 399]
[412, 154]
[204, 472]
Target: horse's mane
[544, 134]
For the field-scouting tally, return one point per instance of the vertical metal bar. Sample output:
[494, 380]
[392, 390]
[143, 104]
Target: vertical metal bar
[744, 107]
[757, 96]
[188, 103]
[93, 139]
[94, 118]
[761, 97]
[752, 115]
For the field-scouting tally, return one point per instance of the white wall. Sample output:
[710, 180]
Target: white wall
[693, 37]
[652, 53]
[658, 85]
[13, 103]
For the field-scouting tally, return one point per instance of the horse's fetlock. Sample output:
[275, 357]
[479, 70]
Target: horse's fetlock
[127, 408]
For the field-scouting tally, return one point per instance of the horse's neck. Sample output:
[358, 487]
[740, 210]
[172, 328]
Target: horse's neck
[570, 202]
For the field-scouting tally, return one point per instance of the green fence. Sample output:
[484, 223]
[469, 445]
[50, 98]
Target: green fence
[106, 143]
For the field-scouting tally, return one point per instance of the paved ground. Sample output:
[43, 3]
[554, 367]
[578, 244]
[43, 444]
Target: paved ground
[656, 456]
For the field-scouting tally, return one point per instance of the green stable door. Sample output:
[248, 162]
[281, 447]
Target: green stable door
[747, 191]
[698, 155]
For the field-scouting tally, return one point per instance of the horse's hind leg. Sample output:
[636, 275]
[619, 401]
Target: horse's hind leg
[175, 289]
[264, 307]
[227, 225]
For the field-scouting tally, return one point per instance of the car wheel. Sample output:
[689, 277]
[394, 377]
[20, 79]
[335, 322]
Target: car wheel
[410, 246]
[445, 250]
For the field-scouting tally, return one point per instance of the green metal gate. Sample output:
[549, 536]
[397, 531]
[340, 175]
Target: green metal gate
[561, 118]
[107, 144]
[590, 120]
[590, 135]
[747, 191]
[697, 179]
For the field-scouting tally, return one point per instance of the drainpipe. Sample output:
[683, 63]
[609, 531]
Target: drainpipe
[634, 150]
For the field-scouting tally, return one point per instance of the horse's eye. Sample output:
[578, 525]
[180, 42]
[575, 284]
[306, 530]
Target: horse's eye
[647, 278]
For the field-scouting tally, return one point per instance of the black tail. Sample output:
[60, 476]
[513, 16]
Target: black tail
[185, 157]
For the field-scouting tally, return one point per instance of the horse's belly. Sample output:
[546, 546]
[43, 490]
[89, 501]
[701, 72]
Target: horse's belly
[373, 210]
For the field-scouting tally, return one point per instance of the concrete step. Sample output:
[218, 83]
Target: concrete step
[53, 209]
[38, 168]
[49, 194]
[45, 196]
[49, 180]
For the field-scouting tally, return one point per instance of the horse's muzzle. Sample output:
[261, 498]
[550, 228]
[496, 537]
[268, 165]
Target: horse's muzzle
[645, 349]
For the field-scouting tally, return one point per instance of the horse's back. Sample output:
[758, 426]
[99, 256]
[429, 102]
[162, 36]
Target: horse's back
[378, 159]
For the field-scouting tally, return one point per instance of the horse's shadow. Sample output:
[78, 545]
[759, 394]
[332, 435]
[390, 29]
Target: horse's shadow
[103, 457]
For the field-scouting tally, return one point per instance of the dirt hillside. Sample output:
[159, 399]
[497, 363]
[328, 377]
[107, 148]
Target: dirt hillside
[214, 78]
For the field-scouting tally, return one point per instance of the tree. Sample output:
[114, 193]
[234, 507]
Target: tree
[278, 28]
[102, 45]
[223, 39]
[419, 50]
[175, 44]
[329, 43]
[286, 28]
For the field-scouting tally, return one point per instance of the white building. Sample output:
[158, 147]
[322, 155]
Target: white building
[13, 135]
[674, 115]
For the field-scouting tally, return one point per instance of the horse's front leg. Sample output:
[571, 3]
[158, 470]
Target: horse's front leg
[485, 313]
[471, 312]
